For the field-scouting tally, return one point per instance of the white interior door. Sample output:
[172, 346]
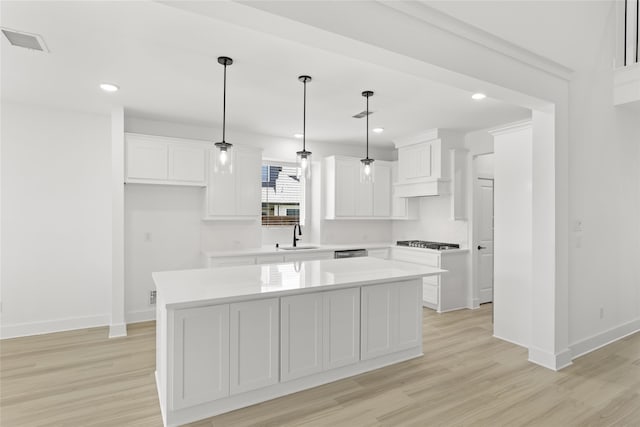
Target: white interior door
[484, 247]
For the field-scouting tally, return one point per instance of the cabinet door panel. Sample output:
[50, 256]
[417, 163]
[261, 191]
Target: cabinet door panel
[254, 338]
[408, 306]
[301, 339]
[146, 159]
[376, 321]
[248, 187]
[382, 191]
[200, 369]
[346, 187]
[363, 197]
[187, 163]
[341, 327]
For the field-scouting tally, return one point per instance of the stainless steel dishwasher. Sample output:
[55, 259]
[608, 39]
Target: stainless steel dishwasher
[350, 253]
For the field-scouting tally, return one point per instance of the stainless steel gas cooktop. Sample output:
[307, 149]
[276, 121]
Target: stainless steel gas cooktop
[439, 246]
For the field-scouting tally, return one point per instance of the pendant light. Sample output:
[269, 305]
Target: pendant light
[303, 159]
[366, 164]
[224, 158]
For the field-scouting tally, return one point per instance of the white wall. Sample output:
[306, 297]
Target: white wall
[434, 223]
[604, 177]
[56, 220]
[513, 236]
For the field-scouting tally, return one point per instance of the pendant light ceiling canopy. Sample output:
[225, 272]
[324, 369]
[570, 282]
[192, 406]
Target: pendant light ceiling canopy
[224, 158]
[366, 164]
[303, 158]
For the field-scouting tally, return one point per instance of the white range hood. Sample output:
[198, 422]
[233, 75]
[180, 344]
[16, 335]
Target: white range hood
[428, 163]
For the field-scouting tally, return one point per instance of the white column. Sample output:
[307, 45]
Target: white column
[118, 326]
[549, 346]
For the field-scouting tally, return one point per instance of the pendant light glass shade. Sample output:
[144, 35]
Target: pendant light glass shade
[224, 157]
[303, 158]
[367, 170]
[303, 162]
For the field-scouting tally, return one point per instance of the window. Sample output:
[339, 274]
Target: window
[281, 195]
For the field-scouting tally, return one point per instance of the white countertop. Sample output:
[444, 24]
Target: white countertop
[272, 250]
[187, 288]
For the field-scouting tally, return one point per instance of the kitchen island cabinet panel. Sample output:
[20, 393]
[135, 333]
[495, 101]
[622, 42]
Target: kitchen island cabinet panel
[377, 321]
[200, 368]
[341, 327]
[301, 342]
[254, 337]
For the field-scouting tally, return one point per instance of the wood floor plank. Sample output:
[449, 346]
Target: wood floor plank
[466, 378]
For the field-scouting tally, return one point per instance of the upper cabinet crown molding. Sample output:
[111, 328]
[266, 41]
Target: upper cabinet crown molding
[511, 127]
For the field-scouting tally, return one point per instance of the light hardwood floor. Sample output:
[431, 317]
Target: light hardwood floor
[467, 377]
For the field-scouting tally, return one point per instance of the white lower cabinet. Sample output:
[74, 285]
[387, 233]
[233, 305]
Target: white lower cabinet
[222, 357]
[200, 368]
[341, 327]
[254, 336]
[301, 340]
[391, 316]
[320, 331]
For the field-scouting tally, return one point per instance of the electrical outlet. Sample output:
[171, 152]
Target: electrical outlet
[152, 297]
[147, 236]
[601, 312]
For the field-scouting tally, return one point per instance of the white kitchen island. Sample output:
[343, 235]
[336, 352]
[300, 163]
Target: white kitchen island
[231, 337]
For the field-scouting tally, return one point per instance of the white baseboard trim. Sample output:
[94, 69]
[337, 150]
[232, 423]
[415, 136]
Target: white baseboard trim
[50, 326]
[519, 344]
[140, 316]
[553, 361]
[118, 330]
[594, 342]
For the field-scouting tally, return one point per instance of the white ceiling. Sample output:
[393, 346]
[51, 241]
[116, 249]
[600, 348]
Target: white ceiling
[564, 31]
[164, 60]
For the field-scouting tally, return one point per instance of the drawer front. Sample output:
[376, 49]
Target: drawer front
[269, 259]
[310, 256]
[430, 294]
[231, 261]
[416, 256]
[431, 280]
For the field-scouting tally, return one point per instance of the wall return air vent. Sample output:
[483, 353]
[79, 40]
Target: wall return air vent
[25, 40]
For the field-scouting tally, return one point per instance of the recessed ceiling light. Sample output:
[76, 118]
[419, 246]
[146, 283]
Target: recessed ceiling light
[378, 130]
[298, 135]
[478, 96]
[109, 87]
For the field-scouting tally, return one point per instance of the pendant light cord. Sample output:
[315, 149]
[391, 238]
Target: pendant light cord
[224, 104]
[367, 127]
[304, 117]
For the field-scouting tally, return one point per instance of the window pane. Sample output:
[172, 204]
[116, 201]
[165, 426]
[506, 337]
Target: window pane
[281, 192]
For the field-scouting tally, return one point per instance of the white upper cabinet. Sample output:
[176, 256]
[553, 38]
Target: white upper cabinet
[162, 160]
[382, 190]
[235, 195]
[347, 198]
[424, 166]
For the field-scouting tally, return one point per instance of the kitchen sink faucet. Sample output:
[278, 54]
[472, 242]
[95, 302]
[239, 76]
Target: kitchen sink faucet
[295, 239]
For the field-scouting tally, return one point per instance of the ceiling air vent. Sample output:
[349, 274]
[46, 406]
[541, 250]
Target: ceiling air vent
[25, 40]
[362, 114]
